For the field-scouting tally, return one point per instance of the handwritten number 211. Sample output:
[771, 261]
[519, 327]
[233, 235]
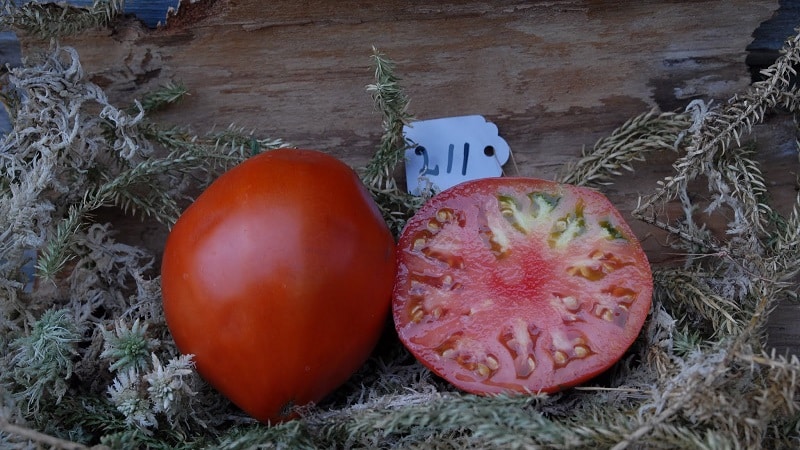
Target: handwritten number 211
[428, 170]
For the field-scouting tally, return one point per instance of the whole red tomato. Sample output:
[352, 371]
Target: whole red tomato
[519, 285]
[278, 278]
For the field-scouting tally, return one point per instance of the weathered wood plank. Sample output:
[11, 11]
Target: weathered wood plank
[553, 75]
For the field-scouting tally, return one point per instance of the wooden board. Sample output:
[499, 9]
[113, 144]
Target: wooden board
[554, 76]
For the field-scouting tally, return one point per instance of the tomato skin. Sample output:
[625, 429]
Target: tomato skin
[278, 278]
[519, 285]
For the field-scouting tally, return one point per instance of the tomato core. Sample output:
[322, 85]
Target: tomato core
[517, 278]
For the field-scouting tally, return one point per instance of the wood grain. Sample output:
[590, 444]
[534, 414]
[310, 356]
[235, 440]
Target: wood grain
[553, 75]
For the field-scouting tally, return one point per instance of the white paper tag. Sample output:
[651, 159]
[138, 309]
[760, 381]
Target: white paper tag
[448, 151]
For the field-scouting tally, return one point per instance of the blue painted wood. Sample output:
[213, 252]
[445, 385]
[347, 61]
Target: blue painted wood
[9, 56]
[151, 12]
[770, 36]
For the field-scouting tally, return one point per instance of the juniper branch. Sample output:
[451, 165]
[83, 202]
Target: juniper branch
[392, 102]
[165, 95]
[294, 434]
[54, 256]
[396, 205]
[630, 142]
[688, 296]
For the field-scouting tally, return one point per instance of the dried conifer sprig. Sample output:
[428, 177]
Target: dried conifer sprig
[379, 175]
[392, 103]
[166, 95]
[611, 155]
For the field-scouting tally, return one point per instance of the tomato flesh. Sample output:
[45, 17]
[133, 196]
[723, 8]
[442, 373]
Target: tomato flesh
[519, 285]
[278, 278]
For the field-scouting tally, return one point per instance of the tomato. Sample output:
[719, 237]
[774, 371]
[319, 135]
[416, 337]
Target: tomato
[519, 285]
[278, 278]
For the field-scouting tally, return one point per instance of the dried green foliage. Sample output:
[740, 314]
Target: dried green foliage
[90, 360]
[629, 143]
[42, 360]
[714, 148]
[379, 176]
[52, 20]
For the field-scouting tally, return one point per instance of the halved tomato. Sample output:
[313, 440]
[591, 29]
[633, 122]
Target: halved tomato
[519, 285]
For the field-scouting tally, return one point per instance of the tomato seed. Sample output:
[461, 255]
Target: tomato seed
[483, 370]
[571, 303]
[417, 313]
[445, 215]
[530, 366]
[581, 351]
[560, 358]
[588, 272]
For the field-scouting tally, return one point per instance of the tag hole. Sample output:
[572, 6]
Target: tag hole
[488, 150]
[419, 150]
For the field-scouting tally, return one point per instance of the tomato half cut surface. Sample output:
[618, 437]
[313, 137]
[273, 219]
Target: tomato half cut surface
[519, 285]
